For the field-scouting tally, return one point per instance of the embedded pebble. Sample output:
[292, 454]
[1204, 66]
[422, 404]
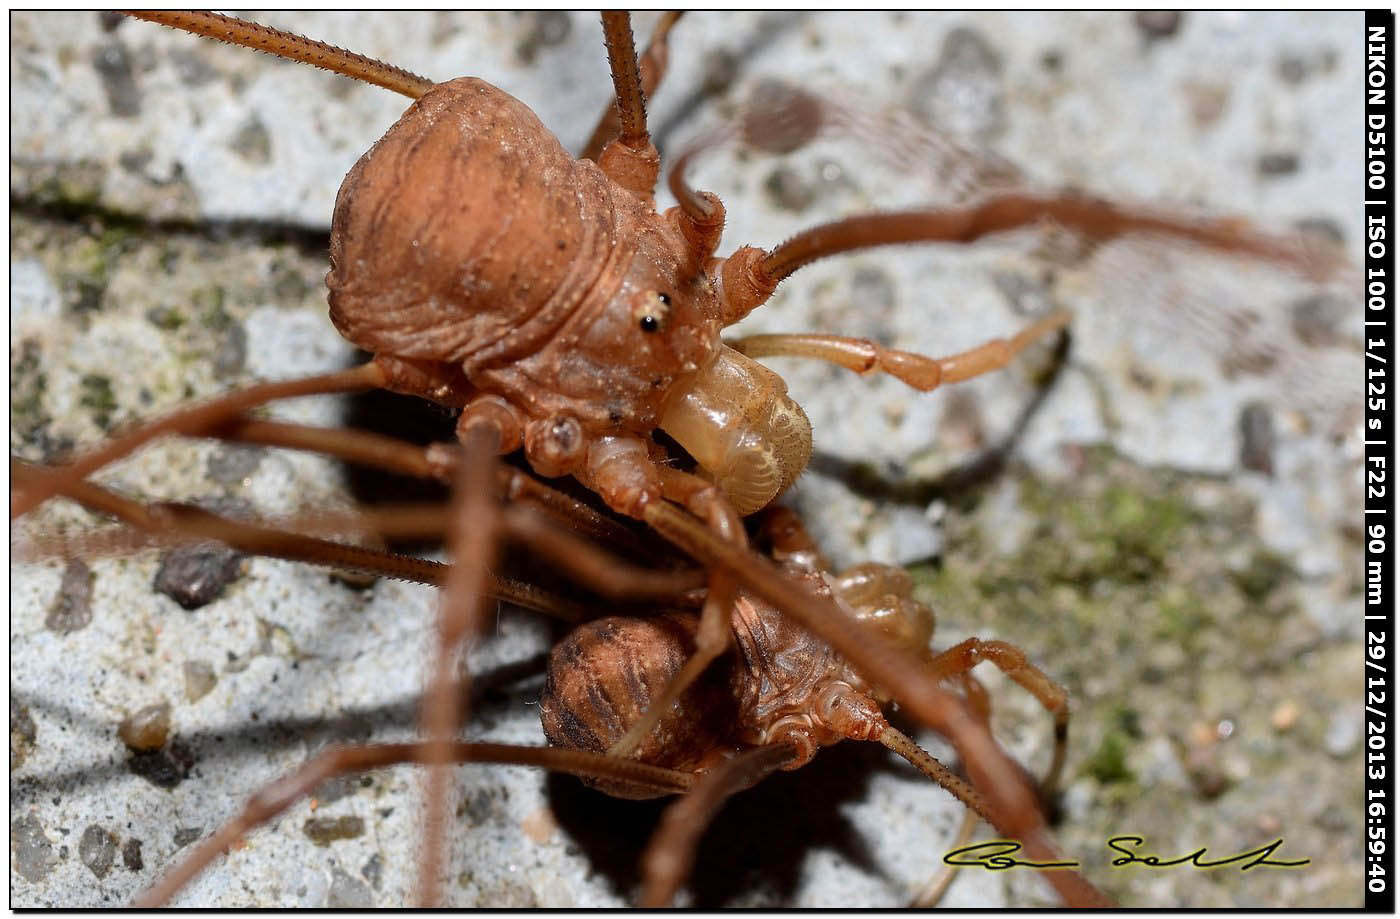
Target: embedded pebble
[147, 729]
[1257, 438]
[252, 142]
[22, 734]
[1315, 319]
[163, 768]
[962, 94]
[348, 893]
[373, 870]
[199, 679]
[325, 830]
[780, 118]
[113, 65]
[1285, 716]
[233, 464]
[97, 849]
[194, 576]
[131, 855]
[186, 835]
[1157, 24]
[72, 608]
[31, 853]
[1277, 164]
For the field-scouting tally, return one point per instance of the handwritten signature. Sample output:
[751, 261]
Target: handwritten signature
[997, 855]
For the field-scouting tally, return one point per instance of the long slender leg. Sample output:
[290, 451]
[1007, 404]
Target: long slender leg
[190, 420]
[1012, 661]
[1011, 801]
[630, 159]
[671, 851]
[439, 462]
[175, 524]
[334, 761]
[472, 540]
[923, 373]
[751, 275]
[1097, 219]
[292, 47]
[929, 895]
[653, 67]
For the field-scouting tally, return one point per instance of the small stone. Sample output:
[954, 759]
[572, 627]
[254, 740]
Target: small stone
[163, 768]
[336, 788]
[199, 679]
[780, 117]
[1257, 438]
[1285, 716]
[788, 190]
[131, 855]
[98, 849]
[147, 729]
[1316, 318]
[373, 870]
[233, 464]
[1157, 24]
[72, 608]
[194, 576]
[113, 65]
[325, 830]
[253, 143]
[1277, 164]
[962, 94]
[347, 892]
[30, 850]
[22, 734]
[186, 835]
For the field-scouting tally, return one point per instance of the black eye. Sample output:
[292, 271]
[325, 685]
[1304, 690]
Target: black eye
[649, 324]
[664, 298]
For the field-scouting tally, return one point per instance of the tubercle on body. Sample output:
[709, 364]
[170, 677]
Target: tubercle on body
[534, 291]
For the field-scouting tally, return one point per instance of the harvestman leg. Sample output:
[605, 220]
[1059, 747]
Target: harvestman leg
[654, 62]
[923, 373]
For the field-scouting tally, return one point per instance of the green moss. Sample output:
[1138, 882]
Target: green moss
[98, 398]
[1109, 763]
[1265, 573]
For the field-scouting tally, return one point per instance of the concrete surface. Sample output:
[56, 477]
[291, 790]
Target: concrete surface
[1216, 684]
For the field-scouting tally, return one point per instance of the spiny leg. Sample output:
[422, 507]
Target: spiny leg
[933, 891]
[919, 371]
[630, 159]
[671, 852]
[653, 67]
[333, 761]
[290, 46]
